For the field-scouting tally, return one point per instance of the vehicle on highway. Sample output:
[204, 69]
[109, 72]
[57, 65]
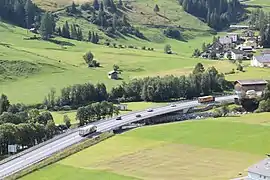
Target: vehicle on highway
[173, 105]
[87, 130]
[138, 115]
[118, 118]
[206, 99]
[150, 110]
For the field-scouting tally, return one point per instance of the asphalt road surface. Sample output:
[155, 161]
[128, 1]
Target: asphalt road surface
[41, 153]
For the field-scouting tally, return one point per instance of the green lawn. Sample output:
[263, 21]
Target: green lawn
[190, 150]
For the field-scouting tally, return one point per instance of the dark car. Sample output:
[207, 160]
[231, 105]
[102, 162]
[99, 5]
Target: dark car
[118, 118]
[138, 115]
[173, 105]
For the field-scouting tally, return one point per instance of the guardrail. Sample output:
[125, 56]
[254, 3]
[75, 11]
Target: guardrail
[38, 146]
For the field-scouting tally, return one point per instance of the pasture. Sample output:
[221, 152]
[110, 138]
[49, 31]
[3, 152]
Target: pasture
[33, 67]
[191, 150]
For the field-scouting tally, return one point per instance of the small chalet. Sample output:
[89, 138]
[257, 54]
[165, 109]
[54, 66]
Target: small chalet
[233, 36]
[251, 42]
[113, 75]
[237, 54]
[225, 40]
[248, 33]
[261, 61]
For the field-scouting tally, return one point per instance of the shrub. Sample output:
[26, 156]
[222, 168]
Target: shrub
[143, 48]
[173, 33]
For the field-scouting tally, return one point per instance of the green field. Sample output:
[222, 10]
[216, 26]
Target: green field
[190, 150]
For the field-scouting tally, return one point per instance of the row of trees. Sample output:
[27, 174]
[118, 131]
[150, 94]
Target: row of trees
[24, 127]
[264, 105]
[96, 111]
[217, 13]
[23, 13]
[200, 82]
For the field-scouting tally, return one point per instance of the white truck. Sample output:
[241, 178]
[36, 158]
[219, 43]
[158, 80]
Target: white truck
[87, 130]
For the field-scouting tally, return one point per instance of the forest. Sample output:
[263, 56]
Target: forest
[218, 14]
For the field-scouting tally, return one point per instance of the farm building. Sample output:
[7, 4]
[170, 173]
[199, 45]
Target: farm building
[248, 33]
[225, 40]
[261, 61]
[122, 107]
[237, 54]
[242, 86]
[113, 75]
[260, 171]
[234, 37]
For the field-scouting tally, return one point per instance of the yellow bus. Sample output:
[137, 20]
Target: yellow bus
[206, 99]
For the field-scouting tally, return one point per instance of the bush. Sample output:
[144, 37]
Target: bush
[143, 48]
[167, 49]
[173, 33]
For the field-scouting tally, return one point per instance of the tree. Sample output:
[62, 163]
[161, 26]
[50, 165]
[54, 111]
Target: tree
[65, 30]
[67, 121]
[79, 34]
[167, 49]
[116, 67]
[199, 68]
[114, 22]
[204, 47]
[73, 32]
[120, 3]
[96, 5]
[73, 8]
[224, 110]
[89, 36]
[88, 57]
[46, 27]
[29, 9]
[156, 9]
[4, 103]
[50, 129]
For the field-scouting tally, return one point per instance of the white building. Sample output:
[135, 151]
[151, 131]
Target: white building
[237, 54]
[225, 40]
[122, 107]
[261, 61]
[260, 171]
[233, 36]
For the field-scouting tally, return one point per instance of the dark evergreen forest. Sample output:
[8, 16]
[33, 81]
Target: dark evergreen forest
[217, 13]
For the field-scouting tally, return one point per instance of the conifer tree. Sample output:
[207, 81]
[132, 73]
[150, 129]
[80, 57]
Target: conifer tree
[29, 9]
[89, 36]
[96, 5]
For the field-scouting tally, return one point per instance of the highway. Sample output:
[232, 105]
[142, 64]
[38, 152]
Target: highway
[41, 153]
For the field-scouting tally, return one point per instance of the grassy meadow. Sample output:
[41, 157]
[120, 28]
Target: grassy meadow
[190, 150]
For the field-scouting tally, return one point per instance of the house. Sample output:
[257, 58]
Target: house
[261, 61]
[225, 40]
[113, 75]
[237, 54]
[248, 33]
[251, 42]
[233, 36]
[260, 171]
[233, 27]
[247, 49]
[122, 107]
[242, 86]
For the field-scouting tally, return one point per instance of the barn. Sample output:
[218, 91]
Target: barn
[243, 86]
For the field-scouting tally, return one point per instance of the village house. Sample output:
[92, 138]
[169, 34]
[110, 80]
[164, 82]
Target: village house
[242, 86]
[261, 61]
[234, 37]
[260, 171]
[122, 107]
[251, 42]
[226, 40]
[236, 27]
[248, 33]
[237, 54]
[113, 75]
[247, 49]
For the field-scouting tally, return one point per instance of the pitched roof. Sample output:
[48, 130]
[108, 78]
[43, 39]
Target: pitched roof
[251, 82]
[237, 51]
[261, 168]
[265, 58]
[112, 72]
